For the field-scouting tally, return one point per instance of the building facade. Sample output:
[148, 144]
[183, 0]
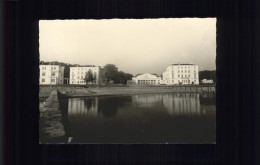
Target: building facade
[181, 74]
[146, 79]
[77, 74]
[51, 74]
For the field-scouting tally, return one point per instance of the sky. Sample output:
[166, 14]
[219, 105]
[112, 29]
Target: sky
[133, 45]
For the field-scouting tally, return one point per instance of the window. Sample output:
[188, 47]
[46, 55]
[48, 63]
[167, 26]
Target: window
[43, 73]
[72, 81]
[52, 80]
[43, 80]
[53, 73]
[51, 68]
[179, 76]
[54, 68]
[61, 74]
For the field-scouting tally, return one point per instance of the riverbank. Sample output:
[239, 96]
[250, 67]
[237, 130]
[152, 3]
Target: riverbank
[112, 91]
[44, 93]
[50, 123]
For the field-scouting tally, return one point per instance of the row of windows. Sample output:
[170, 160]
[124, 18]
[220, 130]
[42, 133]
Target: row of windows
[52, 68]
[52, 74]
[187, 81]
[82, 69]
[146, 81]
[185, 71]
[72, 73]
[183, 76]
[78, 81]
[52, 80]
[185, 67]
[183, 81]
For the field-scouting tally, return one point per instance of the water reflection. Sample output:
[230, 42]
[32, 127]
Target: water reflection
[92, 107]
[84, 107]
[167, 117]
[150, 100]
[175, 104]
[182, 103]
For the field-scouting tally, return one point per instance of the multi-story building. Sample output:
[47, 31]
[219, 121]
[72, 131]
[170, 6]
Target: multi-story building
[77, 74]
[147, 79]
[181, 74]
[51, 74]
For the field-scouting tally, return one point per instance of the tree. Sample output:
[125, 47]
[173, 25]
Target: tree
[122, 77]
[206, 74]
[89, 77]
[110, 72]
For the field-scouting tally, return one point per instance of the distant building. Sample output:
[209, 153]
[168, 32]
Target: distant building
[77, 74]
[51, 74]
[181, 74]
[205, 81]
[146, 79]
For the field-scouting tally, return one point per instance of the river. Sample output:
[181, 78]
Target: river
[143, 118]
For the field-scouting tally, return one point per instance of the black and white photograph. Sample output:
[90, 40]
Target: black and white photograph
[127, 81]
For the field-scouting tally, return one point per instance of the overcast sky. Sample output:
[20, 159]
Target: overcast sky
[133, 45]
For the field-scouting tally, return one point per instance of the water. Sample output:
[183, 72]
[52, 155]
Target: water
[143, 118]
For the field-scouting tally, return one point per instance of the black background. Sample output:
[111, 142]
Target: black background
[238, 72]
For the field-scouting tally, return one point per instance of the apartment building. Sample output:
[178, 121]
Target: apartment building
[51, 74]
[181, 74]
[77, 74]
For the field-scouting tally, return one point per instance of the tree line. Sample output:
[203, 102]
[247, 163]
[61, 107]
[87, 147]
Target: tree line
[207, 74]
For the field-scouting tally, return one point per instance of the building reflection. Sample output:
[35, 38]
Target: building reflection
[182, 103]
[92, 107]
[83, 107]
[175, 104]
[149, 100]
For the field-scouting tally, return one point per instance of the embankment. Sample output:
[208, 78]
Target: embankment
[51, 126]
[112, 91]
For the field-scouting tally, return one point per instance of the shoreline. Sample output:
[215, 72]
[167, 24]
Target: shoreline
[128, 91]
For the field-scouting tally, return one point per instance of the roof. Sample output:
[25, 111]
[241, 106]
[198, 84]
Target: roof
[83, 66]
[182, 64]
[146, 73]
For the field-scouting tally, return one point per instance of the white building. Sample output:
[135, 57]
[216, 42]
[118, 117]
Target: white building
[77, 74]
[51, 74]
[147, 79]
[205, 81]
[181, 74]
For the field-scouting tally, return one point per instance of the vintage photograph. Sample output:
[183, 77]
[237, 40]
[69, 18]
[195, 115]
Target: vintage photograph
[127, 81]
